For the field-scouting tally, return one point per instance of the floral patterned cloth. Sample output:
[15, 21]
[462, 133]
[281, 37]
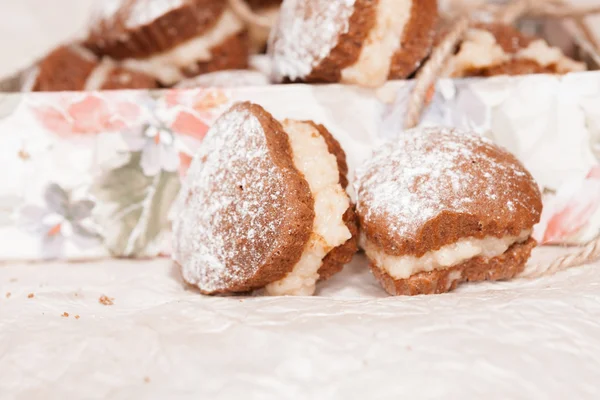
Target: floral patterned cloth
[97, 174]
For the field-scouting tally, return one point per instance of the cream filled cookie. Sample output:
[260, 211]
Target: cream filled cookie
[264, 206]
[74, 68]
[170, 39]
[351, 41]
[440, 207]
[497, 49]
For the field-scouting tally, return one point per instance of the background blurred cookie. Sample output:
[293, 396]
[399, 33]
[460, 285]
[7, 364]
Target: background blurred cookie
[352, 41]
[498, 49]
[74, 68]
[170, 39]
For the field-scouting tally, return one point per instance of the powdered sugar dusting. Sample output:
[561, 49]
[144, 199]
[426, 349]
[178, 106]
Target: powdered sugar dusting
[305, 34]
[146, 11]
[233, 205]
[427, 171]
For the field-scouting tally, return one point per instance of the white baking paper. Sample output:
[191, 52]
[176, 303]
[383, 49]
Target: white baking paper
[160, 340]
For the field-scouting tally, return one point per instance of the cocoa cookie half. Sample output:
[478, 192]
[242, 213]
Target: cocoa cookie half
[74, 68]
[170, 39]
[498, 49]
[351, 41]
[417, 39]
[441, 206]
[263, 207]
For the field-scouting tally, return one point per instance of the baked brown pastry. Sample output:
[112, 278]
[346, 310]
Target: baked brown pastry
[170, 39]
[351, 41]
[264, 207]
[417, 39]
[498, 49]
[74, 68]
[440, 206]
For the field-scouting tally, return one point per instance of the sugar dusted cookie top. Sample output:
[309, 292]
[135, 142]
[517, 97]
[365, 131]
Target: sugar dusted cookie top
[307, 33]
[248, 211]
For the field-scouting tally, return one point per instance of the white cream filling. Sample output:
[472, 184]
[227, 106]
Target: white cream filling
[373, 65]
[98, 77]
[29, 79]
[166, 67]
[545, 55]
[83, 53]
[319, 167]
[402, 267]
[480, 50]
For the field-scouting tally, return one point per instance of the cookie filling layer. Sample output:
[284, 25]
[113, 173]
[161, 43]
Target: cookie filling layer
[319, 167]
[167, 66]
[545, 55]
[480, 50]
[402, 267]
[99, 75]
[373, 65]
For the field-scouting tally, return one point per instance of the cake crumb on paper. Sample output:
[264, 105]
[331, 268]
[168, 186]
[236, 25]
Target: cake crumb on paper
[77, 317]
[146, 379]
[7, 295]
[30, 296]
[105, 300]
[65, 314]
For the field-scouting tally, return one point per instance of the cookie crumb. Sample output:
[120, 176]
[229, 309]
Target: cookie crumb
[7, 295]
[65, 314]
[105, 300]
[30, 296]
[77, 317]
[146, 379]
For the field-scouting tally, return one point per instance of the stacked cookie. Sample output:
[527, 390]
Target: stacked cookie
[74, 68]
[440, 207]
[351, 41]
[498, 49]
[170, 39]
[264, 207]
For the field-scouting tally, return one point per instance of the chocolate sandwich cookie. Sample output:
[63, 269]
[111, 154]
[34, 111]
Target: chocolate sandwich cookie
[264, 207]
[170, 39]
[351, 41]
[440, 206]
[498, 49]
[74, 68]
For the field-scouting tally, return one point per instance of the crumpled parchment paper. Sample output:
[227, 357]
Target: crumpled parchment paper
[520, 340]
